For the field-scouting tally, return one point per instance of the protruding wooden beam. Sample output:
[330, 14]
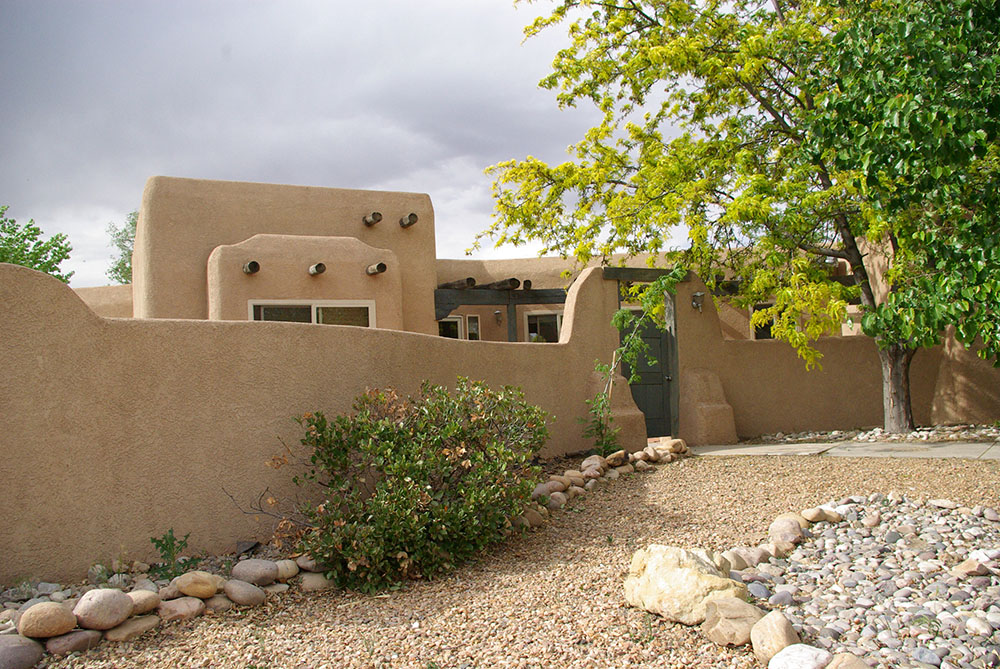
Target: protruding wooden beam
[372, 218]
[316, 269]
[459, 284]
[527, 284]
[375, 268]
[251, 267]
[408, 220]
[505, 284]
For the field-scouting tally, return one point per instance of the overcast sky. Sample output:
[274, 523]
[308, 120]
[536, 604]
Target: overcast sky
[412, 95]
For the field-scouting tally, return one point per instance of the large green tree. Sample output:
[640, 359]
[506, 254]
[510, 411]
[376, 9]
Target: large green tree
[123, 239]
[712, 116]
[23, 245]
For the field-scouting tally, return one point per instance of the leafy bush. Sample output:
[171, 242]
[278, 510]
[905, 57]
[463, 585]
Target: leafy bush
[599, 426]
[415, 486]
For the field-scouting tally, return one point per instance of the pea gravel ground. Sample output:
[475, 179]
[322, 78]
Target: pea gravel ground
[552, 597]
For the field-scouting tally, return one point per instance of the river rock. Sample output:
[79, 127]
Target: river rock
[557, 500]
[183, 608]
[286, 569]
[199, 584]
[800, 656]
[258, 572]
[316, 582]
[643, 466]
[244, 594]
[625, 469]
[18, 652]
[306, 563]
[616, 459]
[592, 462]
[728, 621]
[847, 661]
[102, 609]
[797, 517]
[73, 642]
[676, 583]
[533, 517]
[218, 604]
[45, 620]
[143, 601]
[771, 634]
[132, 628]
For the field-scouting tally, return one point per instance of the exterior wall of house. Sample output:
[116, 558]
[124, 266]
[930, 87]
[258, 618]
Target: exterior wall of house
[181, 221]
[116, 430]
[767, 388]
[284, 262]
[108, 301]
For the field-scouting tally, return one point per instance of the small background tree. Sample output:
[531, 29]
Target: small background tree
[22, 245]
[123, 239]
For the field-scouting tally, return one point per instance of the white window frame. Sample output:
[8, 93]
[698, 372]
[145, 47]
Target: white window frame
[550, 312]
[313, 304]
[461, 325]
[479, 326]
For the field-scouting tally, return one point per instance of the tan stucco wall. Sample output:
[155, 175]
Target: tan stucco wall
[770, 390]
[182, 220]
[284, 275]
[108, 301]
[116, 430]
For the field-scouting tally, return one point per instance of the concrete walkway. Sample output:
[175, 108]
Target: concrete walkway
[859, 449]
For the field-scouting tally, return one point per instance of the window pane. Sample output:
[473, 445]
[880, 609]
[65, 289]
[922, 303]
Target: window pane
[448, 329]
[473, 325]
[293, 313]
[343, 316]
[543, 328]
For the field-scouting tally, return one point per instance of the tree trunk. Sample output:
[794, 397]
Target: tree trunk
[897, 412]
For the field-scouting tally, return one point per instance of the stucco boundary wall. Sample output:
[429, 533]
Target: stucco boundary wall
[116, 430]
[770, 390]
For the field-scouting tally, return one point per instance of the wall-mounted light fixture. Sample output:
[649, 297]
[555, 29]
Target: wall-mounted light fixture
[375, 268]
[372, 218]
[499, 316]
[251, 267]
[318, 268]
[407, 220]
[697, 300]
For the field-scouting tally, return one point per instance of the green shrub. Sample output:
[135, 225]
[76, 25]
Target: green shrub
[415, 486]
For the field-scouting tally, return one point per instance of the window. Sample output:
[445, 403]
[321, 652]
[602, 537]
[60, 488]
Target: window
[543, 326]
[762, 331]
[472, 327]
[360, 313]
[450, 327]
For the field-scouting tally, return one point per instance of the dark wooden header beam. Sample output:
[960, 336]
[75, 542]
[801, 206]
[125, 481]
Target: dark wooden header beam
[447, 300]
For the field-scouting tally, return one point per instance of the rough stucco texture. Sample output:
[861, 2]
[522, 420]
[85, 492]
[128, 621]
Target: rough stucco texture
[116, 430]
[181, 221]
[108, 301]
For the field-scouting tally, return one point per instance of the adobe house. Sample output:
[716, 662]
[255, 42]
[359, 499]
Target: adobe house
[128, 411]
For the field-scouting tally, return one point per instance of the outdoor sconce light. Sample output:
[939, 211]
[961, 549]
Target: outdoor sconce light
[407, 220]
[375, 268]
[499, 316]
[251, 267]
[697, 300]
[372, 218]
[318, 268]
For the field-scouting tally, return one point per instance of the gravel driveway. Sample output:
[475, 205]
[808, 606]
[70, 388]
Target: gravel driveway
[551, 598]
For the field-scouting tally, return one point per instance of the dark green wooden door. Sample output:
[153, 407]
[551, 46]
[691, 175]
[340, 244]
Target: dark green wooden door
[654, 391]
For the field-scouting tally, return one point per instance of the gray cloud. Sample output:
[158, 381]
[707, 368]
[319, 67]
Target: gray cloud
[101, 95]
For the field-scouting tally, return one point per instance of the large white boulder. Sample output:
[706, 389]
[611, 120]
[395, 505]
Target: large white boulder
[676, 583]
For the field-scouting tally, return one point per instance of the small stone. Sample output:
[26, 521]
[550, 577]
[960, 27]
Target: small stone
[183, 608]
[590, 485]
[18, 652]
[643, 466]
[306, 563]
[286, 569]
[276, 588]
[872, 519]
[557, 500]
[143, 601]
[218, 604]
[592, 462]
[978, 626]
[616, 459]
[169, 592]
[258, 572]
[728, 621]
[759, 590]
[847, 661]
[771, 634]
[781, 598]
[244, 594]
[45, 620]
[102, 609]
[736, 560]
[797, 517]
[625, 469]
[592, 473]
[921, 654]
[991, 514]
[145, 584]
[943, 503]
[132, 628]
[612, 474]
[800, 656]
[139, 567]
[199, 584]
[533, 517]
[813, 515]
[311, 582]
[651, 454]
[73, 642]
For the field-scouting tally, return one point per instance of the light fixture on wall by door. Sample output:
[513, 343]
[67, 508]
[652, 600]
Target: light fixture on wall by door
[697, 300]
[499, 316]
